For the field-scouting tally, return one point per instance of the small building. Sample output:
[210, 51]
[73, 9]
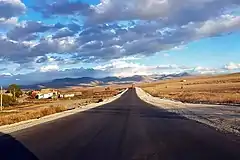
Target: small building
[39, 96]
[68, 95]
[45, 94]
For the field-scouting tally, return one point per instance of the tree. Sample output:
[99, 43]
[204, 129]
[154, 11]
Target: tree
[15, 90]
[8, 101]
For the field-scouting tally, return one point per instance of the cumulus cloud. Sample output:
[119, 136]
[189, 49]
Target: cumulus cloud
[61, 46]
[13, 51]
[206, 70]
[106, 42]
[125, 68]
[23, 52]
[122, 67]
[223, 24]
[11, 8]
[27, 29]
[167, 11]
[232, 66]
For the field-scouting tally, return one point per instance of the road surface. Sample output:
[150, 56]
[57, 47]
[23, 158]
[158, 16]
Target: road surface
[126, 129]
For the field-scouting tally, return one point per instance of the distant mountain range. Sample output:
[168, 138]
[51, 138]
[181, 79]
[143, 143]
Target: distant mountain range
[88, 81]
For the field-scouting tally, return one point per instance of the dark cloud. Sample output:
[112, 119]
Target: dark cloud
[28, 30]
[13, 51]
[11, 8]
[58, 26]
[25, 52]
[169, 12]
[74, 27]
[42, 59]
[63, 7]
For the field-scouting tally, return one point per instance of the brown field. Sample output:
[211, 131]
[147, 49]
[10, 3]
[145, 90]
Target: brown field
[14, 117]
[223, 89]
[32, 108]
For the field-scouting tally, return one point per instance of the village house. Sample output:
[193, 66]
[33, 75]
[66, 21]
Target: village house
[45, 94]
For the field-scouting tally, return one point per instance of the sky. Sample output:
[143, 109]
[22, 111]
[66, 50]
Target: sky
[42, 40]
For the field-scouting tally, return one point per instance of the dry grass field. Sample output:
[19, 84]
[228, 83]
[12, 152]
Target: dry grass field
[222, 89]
[14, 117]
[39, 108]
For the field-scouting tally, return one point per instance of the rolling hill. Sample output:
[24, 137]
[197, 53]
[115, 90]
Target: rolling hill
[89, 81]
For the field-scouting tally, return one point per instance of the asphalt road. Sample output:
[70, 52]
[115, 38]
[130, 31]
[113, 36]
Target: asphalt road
[122, 130]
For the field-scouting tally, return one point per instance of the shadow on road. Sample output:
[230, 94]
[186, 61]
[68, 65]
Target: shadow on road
[11, 149]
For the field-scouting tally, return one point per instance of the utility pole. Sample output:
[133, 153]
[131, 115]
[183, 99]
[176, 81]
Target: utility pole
[14, 94]
[1, 99]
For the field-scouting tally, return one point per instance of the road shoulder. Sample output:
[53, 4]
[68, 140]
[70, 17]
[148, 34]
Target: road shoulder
[223, 118]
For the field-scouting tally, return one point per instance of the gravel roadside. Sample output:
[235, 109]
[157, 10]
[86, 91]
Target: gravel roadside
[222, 117]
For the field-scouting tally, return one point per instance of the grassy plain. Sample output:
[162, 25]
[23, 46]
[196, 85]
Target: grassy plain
[32, 108]
[221, 89]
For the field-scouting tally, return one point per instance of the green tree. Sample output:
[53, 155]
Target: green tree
[15, 90]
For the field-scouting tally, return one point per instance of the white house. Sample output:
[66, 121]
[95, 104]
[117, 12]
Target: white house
[68, 95]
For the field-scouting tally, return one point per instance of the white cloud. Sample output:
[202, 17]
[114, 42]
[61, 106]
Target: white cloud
[118, 64]
[166, 55]
[119, 68]
[206, 70]
[178, 48]
[8, 23]
[126, 68]
[232, 66]
[123, 68]
[5, 74]
[224, 24]
[49, 68]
